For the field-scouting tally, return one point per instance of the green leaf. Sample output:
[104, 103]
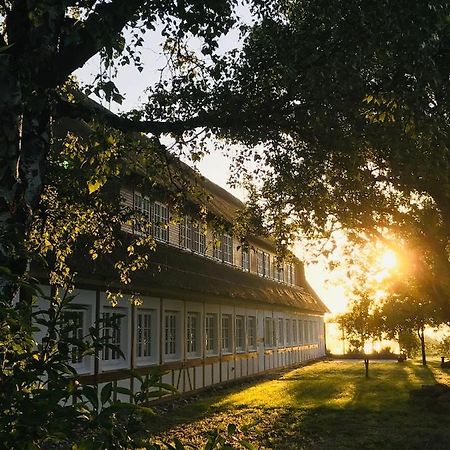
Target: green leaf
[247, 445]
[231, 429]
[106, 392]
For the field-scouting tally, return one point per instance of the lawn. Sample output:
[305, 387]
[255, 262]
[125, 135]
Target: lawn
[329, 404]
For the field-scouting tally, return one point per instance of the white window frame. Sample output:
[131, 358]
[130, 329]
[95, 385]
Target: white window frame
[290, 274]
[251, 333]
[288, 331]
[145, 351]
[227, 248]
[186, 233]
[160, 222]
[263, 263]
[245, 261]
[211, 334]
[112, 359]
[280, 327]
[217, 248]
[171, 335]
[193, 334]
[226, 334]
[144, 206]
[294, 332]
[269, 332]
[81, 364]
[240, 333]
[198, 239]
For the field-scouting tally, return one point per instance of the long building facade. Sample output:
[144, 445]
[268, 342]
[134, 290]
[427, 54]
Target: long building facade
[210, 310]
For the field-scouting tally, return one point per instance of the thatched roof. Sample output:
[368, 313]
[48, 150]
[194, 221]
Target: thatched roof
[184, 275]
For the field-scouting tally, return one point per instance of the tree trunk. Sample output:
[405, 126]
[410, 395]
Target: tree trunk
[24, 145]
[13, 213]
[421, 335]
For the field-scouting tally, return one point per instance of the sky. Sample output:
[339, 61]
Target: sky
[215, 166]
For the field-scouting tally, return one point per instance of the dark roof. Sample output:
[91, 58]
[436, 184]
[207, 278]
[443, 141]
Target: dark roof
[184, 275]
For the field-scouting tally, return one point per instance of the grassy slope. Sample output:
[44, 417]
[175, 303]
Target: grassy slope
[325, 405]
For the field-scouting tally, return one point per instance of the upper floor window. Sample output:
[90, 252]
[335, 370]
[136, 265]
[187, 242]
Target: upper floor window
[251, 332]
[143, 205]
[160, 222]
[193, 333]
[223, 248]
[226, 333]
[290, 274]
[156, 213]
[278, 272]
[245, 260]
[227, 248]
[192, 236]
[263, 263]
[240, 333]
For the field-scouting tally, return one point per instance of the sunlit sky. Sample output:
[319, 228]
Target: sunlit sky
[215, 166]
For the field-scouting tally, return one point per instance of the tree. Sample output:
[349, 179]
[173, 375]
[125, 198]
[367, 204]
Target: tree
[349, 103]
[360, 323]
[406, 314]
[41, 44]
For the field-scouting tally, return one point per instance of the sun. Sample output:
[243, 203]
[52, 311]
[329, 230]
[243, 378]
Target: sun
[388, 260]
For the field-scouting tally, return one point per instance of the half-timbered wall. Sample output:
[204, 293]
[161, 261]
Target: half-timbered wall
[200, 344]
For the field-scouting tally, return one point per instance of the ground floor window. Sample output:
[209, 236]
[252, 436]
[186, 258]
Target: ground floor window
[280, 332]
[288, 332]
[251, 332]
[171, 334]
[294, 332]
[144, 333]
[226, 333]
[240, 333]
[211, 334]
[75, 329]
[193, 333]
[113, 332]
[268, 332]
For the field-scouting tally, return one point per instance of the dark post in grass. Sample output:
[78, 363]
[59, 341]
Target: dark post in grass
[366, 363]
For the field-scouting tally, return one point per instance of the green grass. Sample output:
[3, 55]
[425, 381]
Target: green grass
[322, 406]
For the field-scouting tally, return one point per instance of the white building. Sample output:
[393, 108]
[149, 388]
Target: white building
[211, 310]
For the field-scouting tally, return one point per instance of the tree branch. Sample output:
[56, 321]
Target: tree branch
[88, 110]
[88, 38]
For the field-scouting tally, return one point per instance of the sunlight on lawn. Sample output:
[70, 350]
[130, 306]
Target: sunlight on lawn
[308, 387]
[325, 405]
[333, 385]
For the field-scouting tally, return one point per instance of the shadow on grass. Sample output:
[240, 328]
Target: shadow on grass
[326, 406]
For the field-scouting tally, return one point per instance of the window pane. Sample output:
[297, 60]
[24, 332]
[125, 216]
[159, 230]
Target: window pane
[193, 333]
[211, 333]
[170, 333]
[240, 333]
[251, 332]
[144, 334]
[226, 333]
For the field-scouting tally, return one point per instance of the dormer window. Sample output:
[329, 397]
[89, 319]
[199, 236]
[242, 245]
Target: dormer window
[156, 213]
[192, 236]
[223, 249]
[263, 263]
